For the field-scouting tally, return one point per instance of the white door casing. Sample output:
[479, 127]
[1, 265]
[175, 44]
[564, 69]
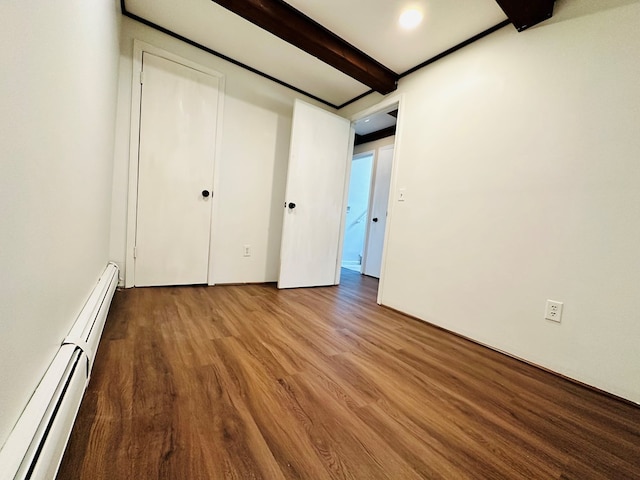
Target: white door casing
[178, 117]
[389, 101]
[378, 211]
[319, 158]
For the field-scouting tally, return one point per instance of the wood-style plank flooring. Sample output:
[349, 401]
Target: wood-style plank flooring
[249, 382]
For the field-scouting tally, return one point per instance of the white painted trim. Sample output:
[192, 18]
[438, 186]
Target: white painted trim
[385, 103]
[216, 178]
[134, 146]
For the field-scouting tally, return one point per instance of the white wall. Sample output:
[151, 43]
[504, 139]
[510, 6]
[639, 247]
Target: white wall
[520, 156]
[252, 167]
[371, 146]
[57, 98]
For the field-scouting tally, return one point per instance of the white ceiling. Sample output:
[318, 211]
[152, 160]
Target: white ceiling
[377, 121]
[372, 26]
[369, 25]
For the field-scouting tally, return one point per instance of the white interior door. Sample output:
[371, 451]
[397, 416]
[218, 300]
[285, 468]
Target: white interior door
[177, 145]
[315, 198]
[378, 212]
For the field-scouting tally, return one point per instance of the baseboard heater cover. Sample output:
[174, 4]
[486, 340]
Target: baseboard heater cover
[36, 444]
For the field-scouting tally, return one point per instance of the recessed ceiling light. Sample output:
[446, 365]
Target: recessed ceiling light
[410, 18]
[367, 120]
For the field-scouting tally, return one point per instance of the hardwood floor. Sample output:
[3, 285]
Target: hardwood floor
[249, 382]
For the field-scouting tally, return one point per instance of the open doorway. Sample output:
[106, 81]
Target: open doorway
[371, 168]
[355, 229]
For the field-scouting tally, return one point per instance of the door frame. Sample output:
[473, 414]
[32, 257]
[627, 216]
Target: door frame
[139, 48]
[345, 201]
[384, 104]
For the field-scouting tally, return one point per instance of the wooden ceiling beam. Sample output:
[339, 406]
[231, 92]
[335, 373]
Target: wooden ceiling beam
[294, 27]
[373, 136]
[526, 13]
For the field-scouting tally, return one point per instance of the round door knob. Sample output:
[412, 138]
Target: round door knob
[375, 220]
[291, 205]
[205, 193]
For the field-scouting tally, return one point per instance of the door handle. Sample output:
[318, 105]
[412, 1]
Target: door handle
[205, 193]
[291, 205]
[374, 219]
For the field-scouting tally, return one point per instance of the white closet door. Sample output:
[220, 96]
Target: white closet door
[177, 145]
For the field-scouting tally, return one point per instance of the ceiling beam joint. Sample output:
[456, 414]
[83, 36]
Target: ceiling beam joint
[526, 13]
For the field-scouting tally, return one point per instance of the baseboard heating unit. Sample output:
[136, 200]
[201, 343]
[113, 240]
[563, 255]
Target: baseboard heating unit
[35, 446]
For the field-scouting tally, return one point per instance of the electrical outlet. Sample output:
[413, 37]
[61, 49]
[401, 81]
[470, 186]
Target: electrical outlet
[247, 251]
[553, 311]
